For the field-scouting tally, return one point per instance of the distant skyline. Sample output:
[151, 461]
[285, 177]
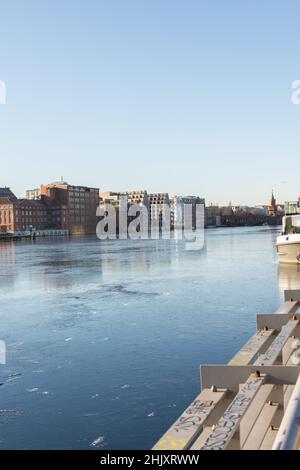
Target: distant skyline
[185, 97]
[214, 202]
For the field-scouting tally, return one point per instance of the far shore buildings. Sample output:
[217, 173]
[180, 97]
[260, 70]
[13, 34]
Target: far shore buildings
[58, 206]
[184, 211]
[18, 215]
[231, 216]
[274, 209]
[80, 204]
[212, 215]
[33, 194]
[62, 206]
[159, 208]
[159, 205]
[136, 197]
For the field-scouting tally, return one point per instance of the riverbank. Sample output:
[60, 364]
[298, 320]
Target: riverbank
[32, 235]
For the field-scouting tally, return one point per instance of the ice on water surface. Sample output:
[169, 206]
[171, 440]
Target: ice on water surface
[116, 331]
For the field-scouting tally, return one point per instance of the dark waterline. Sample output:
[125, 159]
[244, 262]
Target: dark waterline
[104, 339]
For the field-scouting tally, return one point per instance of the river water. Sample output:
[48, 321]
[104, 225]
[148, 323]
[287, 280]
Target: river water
[104, 339]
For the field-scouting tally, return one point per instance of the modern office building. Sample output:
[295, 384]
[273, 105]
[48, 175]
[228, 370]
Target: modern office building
[184, 211]
[159, 206]
[137, 197]
[33, 194]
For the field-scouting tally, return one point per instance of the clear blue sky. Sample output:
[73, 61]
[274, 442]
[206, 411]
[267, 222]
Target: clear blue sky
[184, 96]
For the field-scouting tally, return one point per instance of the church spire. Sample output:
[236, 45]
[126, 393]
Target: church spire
[272, 205]
[273, 200]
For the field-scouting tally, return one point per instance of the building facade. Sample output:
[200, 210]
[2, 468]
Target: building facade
[240, 217]
[33, 194]
[184, 211]
[6, 215]
[159, 207]
[80, 202]
[29, 215]
[212, 216]
[137, 197]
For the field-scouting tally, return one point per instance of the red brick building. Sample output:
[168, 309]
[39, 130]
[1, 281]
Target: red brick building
[23, 214]
[80, 204]
[60, 206]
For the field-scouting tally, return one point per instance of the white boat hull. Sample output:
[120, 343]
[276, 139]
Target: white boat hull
[288, 248]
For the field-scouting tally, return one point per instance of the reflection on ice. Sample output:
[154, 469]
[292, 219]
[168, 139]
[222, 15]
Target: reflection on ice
[142, 315]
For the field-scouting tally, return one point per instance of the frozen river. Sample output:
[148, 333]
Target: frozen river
[104, 339]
